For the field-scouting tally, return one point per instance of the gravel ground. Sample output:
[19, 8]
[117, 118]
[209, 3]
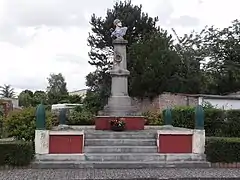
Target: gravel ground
[137, 174]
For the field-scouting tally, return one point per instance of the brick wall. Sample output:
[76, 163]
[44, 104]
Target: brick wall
[165, 100]
[171, 100]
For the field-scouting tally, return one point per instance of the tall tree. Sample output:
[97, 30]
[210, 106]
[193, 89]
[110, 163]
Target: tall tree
[7, 91]
[25, 98]
[100, 41]
[155, 66]
[57, 88]
[221, 49]
[191, 57]
[39, 97]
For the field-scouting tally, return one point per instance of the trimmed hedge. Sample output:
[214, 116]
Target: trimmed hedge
[16, 153]
[22, 123]
[219, 149]
[80, 116]
[217, 122]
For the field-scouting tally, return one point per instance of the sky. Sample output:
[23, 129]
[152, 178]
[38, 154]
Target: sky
[39, 37]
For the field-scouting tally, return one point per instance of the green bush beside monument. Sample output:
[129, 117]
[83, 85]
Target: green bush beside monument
[16, 153]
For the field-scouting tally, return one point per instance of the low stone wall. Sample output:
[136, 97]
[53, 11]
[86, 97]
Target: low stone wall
[163, 101]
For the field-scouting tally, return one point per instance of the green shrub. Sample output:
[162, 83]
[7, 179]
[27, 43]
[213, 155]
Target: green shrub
[153, 118]
[22, 123]
[16, 153]
[220, 149]
[214, 122]
[80, 116]
[232, 123]
[183, 117]
[217, 122]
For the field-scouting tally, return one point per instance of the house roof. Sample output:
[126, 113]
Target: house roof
[78, 90]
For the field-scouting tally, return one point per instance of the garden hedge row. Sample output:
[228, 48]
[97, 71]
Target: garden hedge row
[219, 149]
[16, 153]
[217, 122]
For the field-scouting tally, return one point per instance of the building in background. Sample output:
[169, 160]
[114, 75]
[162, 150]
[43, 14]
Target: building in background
[8, 104]
[81, 92]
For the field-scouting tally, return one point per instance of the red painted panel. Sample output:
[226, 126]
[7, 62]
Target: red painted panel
[59, 144]
[76, 144]
[132, 123]
[176, 143]
[65, 144]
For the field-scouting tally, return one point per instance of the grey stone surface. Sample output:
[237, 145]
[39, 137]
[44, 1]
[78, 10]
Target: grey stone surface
[120, 142]
[57, 157]
[124, 174]
[120, 135]
[132, 149]
[117, 164]
[121, 149]
[148, 157]
[124, 157]
[119, 103]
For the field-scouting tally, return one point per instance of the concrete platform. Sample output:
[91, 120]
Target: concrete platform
[121, 150]
[122, 161]
[117, 165]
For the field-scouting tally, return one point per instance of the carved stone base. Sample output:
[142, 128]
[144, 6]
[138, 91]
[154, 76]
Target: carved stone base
[119, 106]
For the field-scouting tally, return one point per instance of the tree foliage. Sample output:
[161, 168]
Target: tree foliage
[100, 41]
[57, 88]
[222, 49]
[27, 98]
[156, 64]
[158, 67]
[7, 91]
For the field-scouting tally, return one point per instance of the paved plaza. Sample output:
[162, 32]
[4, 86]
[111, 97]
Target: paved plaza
[137, 174]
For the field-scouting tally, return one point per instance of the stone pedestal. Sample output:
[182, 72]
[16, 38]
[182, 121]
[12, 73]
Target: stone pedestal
[58, 142]
[119, 103]
[181, 141]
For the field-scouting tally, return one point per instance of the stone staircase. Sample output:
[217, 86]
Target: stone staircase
[120, 147]
[138, 149]
[107, 149]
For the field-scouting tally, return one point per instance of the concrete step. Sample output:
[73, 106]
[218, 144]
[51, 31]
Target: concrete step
[124, 157]
[117, 164]
[142, 157]
[60, 157]
[120, 142]
[120, 149]
[119, 135]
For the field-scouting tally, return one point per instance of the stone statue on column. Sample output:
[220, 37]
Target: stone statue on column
[119, 103]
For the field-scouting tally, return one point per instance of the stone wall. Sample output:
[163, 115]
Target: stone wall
[165, 100]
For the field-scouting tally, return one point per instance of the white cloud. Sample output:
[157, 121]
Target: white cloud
[50, 36]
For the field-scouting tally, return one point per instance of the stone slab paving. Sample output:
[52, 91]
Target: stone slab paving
[124, 174]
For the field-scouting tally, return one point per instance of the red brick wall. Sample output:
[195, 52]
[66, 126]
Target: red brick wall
[163, 101]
